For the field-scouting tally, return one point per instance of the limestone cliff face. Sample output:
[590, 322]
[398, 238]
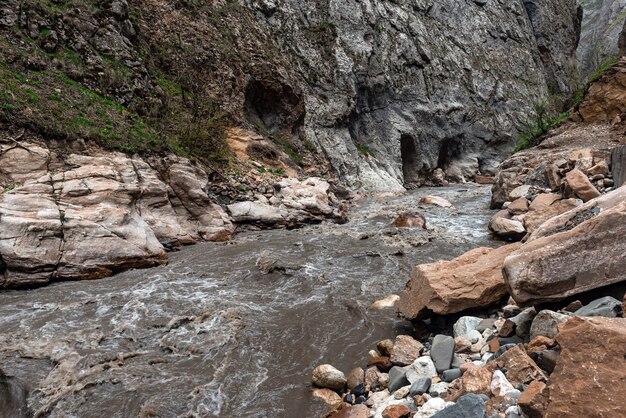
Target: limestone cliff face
[382, 92]
[394, 90]
[603, 22]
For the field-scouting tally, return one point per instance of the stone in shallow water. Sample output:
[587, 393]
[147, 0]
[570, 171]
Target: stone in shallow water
[326, 376]
[442, 352]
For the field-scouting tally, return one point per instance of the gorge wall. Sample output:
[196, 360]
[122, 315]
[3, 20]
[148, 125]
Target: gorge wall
[394, 90]
[603, 22]
[379, 93]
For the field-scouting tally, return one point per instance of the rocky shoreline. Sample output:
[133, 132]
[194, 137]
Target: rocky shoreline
[534, 353]
[531, 329]
[82, 213]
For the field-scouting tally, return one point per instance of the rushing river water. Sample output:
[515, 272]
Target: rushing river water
[212, 334]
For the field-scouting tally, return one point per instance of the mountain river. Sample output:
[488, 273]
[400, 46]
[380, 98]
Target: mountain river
[227, 329]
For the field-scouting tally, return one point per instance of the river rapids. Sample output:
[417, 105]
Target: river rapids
[227, 329]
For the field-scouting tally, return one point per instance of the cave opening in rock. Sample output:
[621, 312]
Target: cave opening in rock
[410, 166]
[273, 107]
[449, 151]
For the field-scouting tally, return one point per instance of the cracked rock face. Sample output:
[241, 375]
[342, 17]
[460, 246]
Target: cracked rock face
[603, 22]
[86, 217]
[394, 90]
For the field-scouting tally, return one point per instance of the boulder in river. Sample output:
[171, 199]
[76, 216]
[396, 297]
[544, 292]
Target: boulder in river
[589, 377]
[326, 376]
[577, 251]
[444, 287]
[410, 220]
[437, 201]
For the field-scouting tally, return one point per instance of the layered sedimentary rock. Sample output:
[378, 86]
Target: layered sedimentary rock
[85, 216]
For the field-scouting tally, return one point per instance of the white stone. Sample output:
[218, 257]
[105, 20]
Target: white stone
[500, 386]
[422, 367]
[464, 325]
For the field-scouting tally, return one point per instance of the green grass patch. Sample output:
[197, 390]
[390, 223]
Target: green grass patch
[536, 126]
[597, 74]
[365, 150]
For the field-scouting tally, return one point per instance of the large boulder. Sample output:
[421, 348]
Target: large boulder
[444, 287]
[88, 216]
[294, 202]
[580, 250]
[590, 378]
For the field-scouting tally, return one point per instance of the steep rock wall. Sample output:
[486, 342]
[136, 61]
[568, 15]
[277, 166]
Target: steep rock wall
[394, 90]
[603, 22]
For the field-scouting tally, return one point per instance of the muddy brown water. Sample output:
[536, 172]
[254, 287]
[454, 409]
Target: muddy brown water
[211, 334]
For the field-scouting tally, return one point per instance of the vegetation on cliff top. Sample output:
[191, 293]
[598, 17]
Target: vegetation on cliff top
[544, 118]
[126, 88]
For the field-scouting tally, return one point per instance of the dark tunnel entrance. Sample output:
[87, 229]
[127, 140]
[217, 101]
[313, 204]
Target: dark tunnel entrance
[410, 165]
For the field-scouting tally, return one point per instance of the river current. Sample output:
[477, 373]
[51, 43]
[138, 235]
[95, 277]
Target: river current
[227, 329]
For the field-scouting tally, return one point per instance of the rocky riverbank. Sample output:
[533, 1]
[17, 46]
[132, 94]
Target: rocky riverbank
[531, 329]
[75, 212]
[534, 353]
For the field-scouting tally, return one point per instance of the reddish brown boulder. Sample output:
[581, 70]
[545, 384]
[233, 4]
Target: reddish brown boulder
[476, 380]
[590, 376]
[410, 220]
[580, 250]
[518, 206]
[405, 350]
[520, 368]
[540, 213]
[606, 98]
[534, 400]
[444, 287]
[580, 184]
[396, 411]
[544, 200]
